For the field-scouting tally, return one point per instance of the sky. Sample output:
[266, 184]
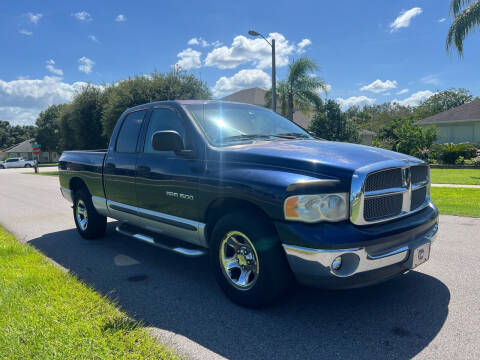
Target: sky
[369, 52]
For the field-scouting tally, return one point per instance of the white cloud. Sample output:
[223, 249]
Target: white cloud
[21, 100]
[189, 59]
[404, 19]
[120, 18]
[415, 98]
[85, 65]
[403, 91]
[430, 79]
[83, 16]
[34, 18]
[50, 65]
[203, 42]
[302, 45]
[241, 80]
[355, 101]
[328, 87]
[441, 20]
[379, 86]
[93, 38]
[255, 51]
[25, 32]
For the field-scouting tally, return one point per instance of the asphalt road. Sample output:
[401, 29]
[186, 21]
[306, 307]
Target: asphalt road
[432, 313]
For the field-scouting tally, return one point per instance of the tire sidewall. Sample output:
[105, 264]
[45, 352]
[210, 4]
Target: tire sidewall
[273, 277]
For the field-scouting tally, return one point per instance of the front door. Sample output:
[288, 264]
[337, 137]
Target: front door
[120, 168]
[167, 183]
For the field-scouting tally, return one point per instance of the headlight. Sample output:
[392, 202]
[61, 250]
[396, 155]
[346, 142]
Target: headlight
[314, 208]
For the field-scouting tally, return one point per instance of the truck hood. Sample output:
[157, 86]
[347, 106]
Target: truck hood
[320, 156]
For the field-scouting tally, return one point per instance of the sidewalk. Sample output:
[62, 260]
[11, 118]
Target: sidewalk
[457, 186]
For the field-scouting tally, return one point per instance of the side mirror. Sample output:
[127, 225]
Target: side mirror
[168, 140]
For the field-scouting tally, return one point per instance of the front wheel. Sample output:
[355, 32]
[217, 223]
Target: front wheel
[248, 260]
[90, 224]
[28, 165]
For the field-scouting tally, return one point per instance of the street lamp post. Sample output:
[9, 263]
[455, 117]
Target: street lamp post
[274, 76]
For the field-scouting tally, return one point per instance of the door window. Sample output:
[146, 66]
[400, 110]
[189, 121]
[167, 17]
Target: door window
[128, 136]
[161, 120]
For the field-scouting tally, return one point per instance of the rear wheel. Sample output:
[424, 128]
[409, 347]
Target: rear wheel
[248, 260]
[90, 224]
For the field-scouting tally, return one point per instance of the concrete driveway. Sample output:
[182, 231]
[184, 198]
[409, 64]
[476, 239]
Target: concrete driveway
[431, 313]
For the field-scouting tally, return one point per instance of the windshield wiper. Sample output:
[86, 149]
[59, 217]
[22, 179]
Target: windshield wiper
[292, 135]
[246, 137]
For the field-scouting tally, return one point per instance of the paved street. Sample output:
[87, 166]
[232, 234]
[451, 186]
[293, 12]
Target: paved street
[432, 313]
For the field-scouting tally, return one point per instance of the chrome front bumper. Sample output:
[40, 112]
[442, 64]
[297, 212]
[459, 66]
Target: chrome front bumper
[312, 265]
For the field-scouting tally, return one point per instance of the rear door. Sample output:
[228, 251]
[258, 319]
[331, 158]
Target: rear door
[120, 168]
[12, 163]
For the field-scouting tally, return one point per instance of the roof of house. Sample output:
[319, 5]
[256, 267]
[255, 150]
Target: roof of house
[255, 96]
[23, 147]
[466, 112]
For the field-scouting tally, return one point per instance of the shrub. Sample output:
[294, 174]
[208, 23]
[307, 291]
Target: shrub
[460, 160]
[449, 153]
[476, 161]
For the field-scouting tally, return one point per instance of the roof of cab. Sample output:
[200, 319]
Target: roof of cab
[181, 102]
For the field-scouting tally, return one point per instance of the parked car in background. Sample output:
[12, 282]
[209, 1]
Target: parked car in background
[264, 198]
[16, 163]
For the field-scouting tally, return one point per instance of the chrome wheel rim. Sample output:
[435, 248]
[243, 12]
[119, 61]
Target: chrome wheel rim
[239, 260]
[81, 215]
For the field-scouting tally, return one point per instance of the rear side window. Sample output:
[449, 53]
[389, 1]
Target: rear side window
[161, 120]
[128, 136]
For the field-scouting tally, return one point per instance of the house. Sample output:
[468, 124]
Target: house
[457, 125]
[25, 150]
[256, 96]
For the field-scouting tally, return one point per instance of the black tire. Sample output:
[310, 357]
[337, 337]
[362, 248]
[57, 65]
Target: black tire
[95, 224]
[28, 166]
[274, 274]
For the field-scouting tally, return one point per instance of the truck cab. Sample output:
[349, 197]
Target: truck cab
[266, 201]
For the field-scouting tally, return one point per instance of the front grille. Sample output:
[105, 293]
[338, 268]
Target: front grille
[391, 178]
[418, 197]
[419, 174]
[380, 207]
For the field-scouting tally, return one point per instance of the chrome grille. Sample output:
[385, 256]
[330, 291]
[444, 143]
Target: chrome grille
[391, 178]
[381, 207]
[388, 190]
[418, 197]
[419, 174]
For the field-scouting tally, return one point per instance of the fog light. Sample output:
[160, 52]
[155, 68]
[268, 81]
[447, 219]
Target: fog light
[337, 263]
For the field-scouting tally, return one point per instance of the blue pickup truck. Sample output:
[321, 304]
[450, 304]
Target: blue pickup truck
[264, 199]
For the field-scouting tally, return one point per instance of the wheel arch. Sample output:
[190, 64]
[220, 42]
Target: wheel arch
[76, 184]
[225, 205]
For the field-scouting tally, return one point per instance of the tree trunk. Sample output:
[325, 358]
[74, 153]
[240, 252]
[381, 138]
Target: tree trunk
[290, 106]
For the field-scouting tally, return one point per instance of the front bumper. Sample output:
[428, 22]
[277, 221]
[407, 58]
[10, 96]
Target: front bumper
[375, 259]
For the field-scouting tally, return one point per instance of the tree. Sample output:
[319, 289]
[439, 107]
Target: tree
[299, 90]
[466, 15]
[376, 117]
[442, 101]
[142, 89]
[11, 135]
[331, 123]
[48, 131]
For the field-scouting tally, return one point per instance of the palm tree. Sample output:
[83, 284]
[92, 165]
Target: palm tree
[466, 17]
[300, 89]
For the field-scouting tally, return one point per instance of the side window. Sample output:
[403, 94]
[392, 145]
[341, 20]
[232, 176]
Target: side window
[12, 160]
[128, 136]
[162, 119]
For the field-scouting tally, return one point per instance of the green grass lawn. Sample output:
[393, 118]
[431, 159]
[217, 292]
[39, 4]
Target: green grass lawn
[47, 173]
[46, 313]
[457, 201]
[455, 176]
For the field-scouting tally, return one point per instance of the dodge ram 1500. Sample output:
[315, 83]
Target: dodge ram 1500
[268, 202]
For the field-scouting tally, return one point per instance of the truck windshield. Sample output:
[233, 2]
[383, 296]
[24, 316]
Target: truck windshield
[228, 123]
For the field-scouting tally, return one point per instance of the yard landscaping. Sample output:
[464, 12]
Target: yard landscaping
[455, 176]
[46, 313]
[457, 201]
